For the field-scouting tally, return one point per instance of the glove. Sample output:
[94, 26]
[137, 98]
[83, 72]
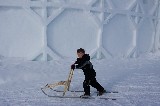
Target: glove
[73, 66]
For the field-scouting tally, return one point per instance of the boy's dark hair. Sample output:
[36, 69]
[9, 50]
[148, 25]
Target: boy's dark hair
[80, 50]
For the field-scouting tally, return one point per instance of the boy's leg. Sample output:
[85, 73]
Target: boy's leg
[96, 85]
[86, 87]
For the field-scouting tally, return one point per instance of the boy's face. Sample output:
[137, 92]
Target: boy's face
[80, 54]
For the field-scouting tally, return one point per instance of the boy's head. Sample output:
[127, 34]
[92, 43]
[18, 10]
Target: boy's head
[80, 52]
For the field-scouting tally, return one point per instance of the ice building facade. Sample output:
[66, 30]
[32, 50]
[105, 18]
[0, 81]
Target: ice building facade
[53, 29]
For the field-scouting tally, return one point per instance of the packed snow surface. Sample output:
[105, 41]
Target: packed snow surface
[136, 80]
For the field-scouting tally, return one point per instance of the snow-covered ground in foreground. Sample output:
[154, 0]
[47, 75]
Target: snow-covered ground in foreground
[136, 80]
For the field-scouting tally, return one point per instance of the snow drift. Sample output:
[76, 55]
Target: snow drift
[136, 80]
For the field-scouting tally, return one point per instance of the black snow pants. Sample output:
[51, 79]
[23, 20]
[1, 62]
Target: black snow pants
[93, 82]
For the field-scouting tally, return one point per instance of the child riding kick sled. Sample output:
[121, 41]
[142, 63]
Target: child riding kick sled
[83, 62]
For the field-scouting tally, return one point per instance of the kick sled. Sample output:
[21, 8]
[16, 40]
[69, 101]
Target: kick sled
[66, 85]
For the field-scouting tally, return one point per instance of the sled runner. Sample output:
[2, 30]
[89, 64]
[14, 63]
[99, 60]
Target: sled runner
[83, 91]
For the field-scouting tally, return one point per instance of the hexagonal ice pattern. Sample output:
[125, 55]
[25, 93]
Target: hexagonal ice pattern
[53, 29]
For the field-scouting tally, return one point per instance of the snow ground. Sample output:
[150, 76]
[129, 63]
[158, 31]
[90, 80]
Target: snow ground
[136, 80]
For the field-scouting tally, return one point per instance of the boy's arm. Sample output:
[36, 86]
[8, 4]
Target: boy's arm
[82, 62]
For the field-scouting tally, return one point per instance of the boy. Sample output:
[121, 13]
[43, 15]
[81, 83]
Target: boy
[83, 62]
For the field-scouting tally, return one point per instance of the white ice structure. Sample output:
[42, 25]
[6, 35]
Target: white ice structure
[53, 29]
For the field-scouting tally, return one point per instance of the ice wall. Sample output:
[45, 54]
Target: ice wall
[53, 29]
[20, 35]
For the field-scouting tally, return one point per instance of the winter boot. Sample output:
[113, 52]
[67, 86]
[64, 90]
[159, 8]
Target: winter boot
[85, 96]
[101, 92]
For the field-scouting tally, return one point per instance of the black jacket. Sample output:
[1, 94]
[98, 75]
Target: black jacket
[87, 67]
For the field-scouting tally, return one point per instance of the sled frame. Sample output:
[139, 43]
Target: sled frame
[66, 83]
